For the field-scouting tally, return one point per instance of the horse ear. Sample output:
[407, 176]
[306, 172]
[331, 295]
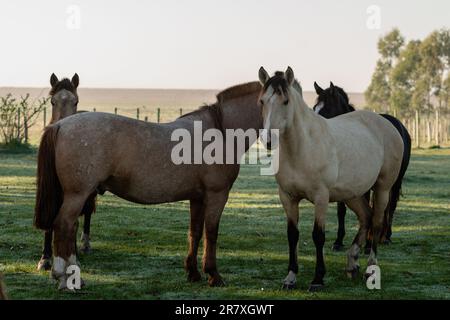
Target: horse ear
[332, 87]
[289, 74]
[263, 76]
[75, 80]
[53, 80]
[319, 90]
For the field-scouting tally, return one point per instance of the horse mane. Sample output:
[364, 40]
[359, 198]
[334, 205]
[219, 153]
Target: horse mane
[278, 81]
[64, 84]
[231, 93]
[344, 95]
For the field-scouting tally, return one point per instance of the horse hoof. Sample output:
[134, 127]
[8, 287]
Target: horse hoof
[353, 274]
[194, 276]
[315, 287]
[44, 264]
[338, 247]
[86, 250]
[289, 286]
[216, 281]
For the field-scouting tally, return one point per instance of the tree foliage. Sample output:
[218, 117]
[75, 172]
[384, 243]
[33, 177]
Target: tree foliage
[412, 76]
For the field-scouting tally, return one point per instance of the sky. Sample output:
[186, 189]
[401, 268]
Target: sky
[202, 44]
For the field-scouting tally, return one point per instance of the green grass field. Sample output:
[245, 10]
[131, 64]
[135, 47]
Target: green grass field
[138, 251]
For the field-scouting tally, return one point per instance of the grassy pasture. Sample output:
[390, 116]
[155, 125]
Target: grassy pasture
[138, 251]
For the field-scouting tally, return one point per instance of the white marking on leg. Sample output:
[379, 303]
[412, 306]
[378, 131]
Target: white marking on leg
[372, 260]
[291, 278]
[59, 267]
[72, 261]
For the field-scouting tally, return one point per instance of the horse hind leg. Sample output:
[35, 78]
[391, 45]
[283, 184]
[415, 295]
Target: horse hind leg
[381, 200]
[88, 210]
[64, 241]
[195, 234]
[45, 262]
[341, 211]
[362, 210]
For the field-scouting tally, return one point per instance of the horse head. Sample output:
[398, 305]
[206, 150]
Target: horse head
[64, 97]
[332, 101]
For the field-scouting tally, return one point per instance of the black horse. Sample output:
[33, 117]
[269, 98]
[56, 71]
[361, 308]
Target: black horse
[333, 102]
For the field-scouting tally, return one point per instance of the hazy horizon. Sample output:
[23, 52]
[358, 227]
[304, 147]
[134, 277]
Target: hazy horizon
[202, 44]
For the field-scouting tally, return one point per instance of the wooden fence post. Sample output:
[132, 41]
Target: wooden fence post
[181, 112]
[137, 113]
[436, 130]
[417, 130]
[159, 115]
[25, 128]
[146, 119]
[45, 116]
[94, 109]
[18, 124]
[115, 111]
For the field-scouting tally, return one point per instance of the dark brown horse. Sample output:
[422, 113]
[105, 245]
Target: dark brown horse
[334, 101]
[97, 152]
[64, 99]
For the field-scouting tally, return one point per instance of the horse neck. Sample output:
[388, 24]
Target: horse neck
[242, 113]
[305, 122]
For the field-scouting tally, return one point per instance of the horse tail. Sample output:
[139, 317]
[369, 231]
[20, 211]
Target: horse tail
[49, 193]
[397, 187]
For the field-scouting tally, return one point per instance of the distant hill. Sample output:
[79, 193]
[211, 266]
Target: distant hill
[107, 99]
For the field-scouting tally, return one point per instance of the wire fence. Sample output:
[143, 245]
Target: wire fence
[427, 129]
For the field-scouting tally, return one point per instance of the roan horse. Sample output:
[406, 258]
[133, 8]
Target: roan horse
[64, 100]
[334, 101]
[93, 151]
[325, 160]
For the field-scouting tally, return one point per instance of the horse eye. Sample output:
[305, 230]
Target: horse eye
[286, 102]
[261, 102]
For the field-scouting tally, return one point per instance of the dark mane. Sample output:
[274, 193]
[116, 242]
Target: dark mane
[345, 96]
[64, 84]
[277, 82]
[341, 94]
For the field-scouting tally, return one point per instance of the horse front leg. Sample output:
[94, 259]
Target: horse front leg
[46, 259]
[195, 234]
[318, 235]
[214, 203]
[341, 211]
[290, 206]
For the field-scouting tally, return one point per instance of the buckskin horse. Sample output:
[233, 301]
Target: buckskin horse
[328, 160]
[94, 151]
[64, 100]
[334, 101]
